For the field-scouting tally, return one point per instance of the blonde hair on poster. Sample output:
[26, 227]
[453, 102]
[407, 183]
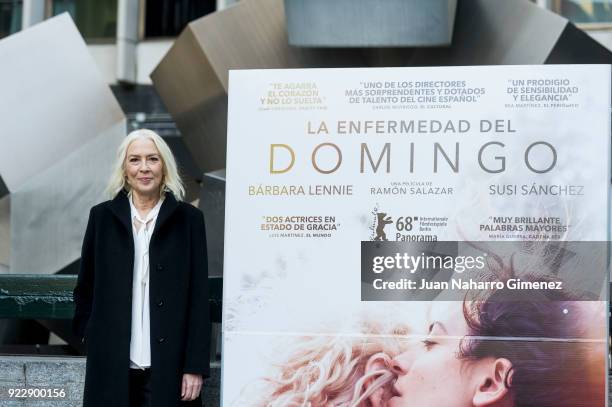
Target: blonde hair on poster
[328, 369]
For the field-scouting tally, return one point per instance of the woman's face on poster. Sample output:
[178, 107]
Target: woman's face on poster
[430, 372]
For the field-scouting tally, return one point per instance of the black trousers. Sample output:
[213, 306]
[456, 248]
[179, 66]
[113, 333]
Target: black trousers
[140, 388]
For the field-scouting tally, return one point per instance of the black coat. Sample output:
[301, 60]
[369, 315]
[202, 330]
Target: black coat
[178, 292]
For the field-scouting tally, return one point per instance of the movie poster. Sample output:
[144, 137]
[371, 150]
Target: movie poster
[417, 237]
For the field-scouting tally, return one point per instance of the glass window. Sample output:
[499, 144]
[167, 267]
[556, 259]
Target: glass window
[10, 17]
[167, 18]
[585, 11]
[95, 19]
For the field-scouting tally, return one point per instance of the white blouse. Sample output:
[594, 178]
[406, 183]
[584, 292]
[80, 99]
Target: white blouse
[140, 343]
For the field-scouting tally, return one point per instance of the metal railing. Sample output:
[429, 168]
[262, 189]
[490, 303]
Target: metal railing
[36, 296]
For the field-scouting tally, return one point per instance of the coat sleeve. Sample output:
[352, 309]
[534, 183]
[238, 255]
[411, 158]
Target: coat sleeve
[83, 292]
[197, 350]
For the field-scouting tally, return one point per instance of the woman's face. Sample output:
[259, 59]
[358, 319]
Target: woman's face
[430, 372]
[143, 167]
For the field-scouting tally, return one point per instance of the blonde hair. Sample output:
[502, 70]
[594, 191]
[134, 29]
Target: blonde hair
[330, 371]
[171, 181]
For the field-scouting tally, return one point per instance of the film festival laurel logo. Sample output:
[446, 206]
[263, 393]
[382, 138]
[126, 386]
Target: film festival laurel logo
[382, 220]
[409, 227]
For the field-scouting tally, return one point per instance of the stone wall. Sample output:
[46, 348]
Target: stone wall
[62, 373]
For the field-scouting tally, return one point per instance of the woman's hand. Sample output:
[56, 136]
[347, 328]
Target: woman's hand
[192, 385]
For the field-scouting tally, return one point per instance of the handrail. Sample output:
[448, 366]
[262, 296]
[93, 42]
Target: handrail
[38, 296]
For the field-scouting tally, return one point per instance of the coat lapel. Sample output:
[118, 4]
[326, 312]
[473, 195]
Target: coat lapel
[167, 208]
[120, 206]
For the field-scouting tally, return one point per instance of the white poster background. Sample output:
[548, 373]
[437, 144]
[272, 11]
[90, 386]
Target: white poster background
[277, 287]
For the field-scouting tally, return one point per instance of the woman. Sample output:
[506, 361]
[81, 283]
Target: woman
[499, 352]
[141, 296]
[493, 351]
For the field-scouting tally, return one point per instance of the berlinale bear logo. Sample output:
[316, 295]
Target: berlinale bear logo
[382, 220]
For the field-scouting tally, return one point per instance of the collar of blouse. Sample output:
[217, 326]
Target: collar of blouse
[120, 206]
[139, 221]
